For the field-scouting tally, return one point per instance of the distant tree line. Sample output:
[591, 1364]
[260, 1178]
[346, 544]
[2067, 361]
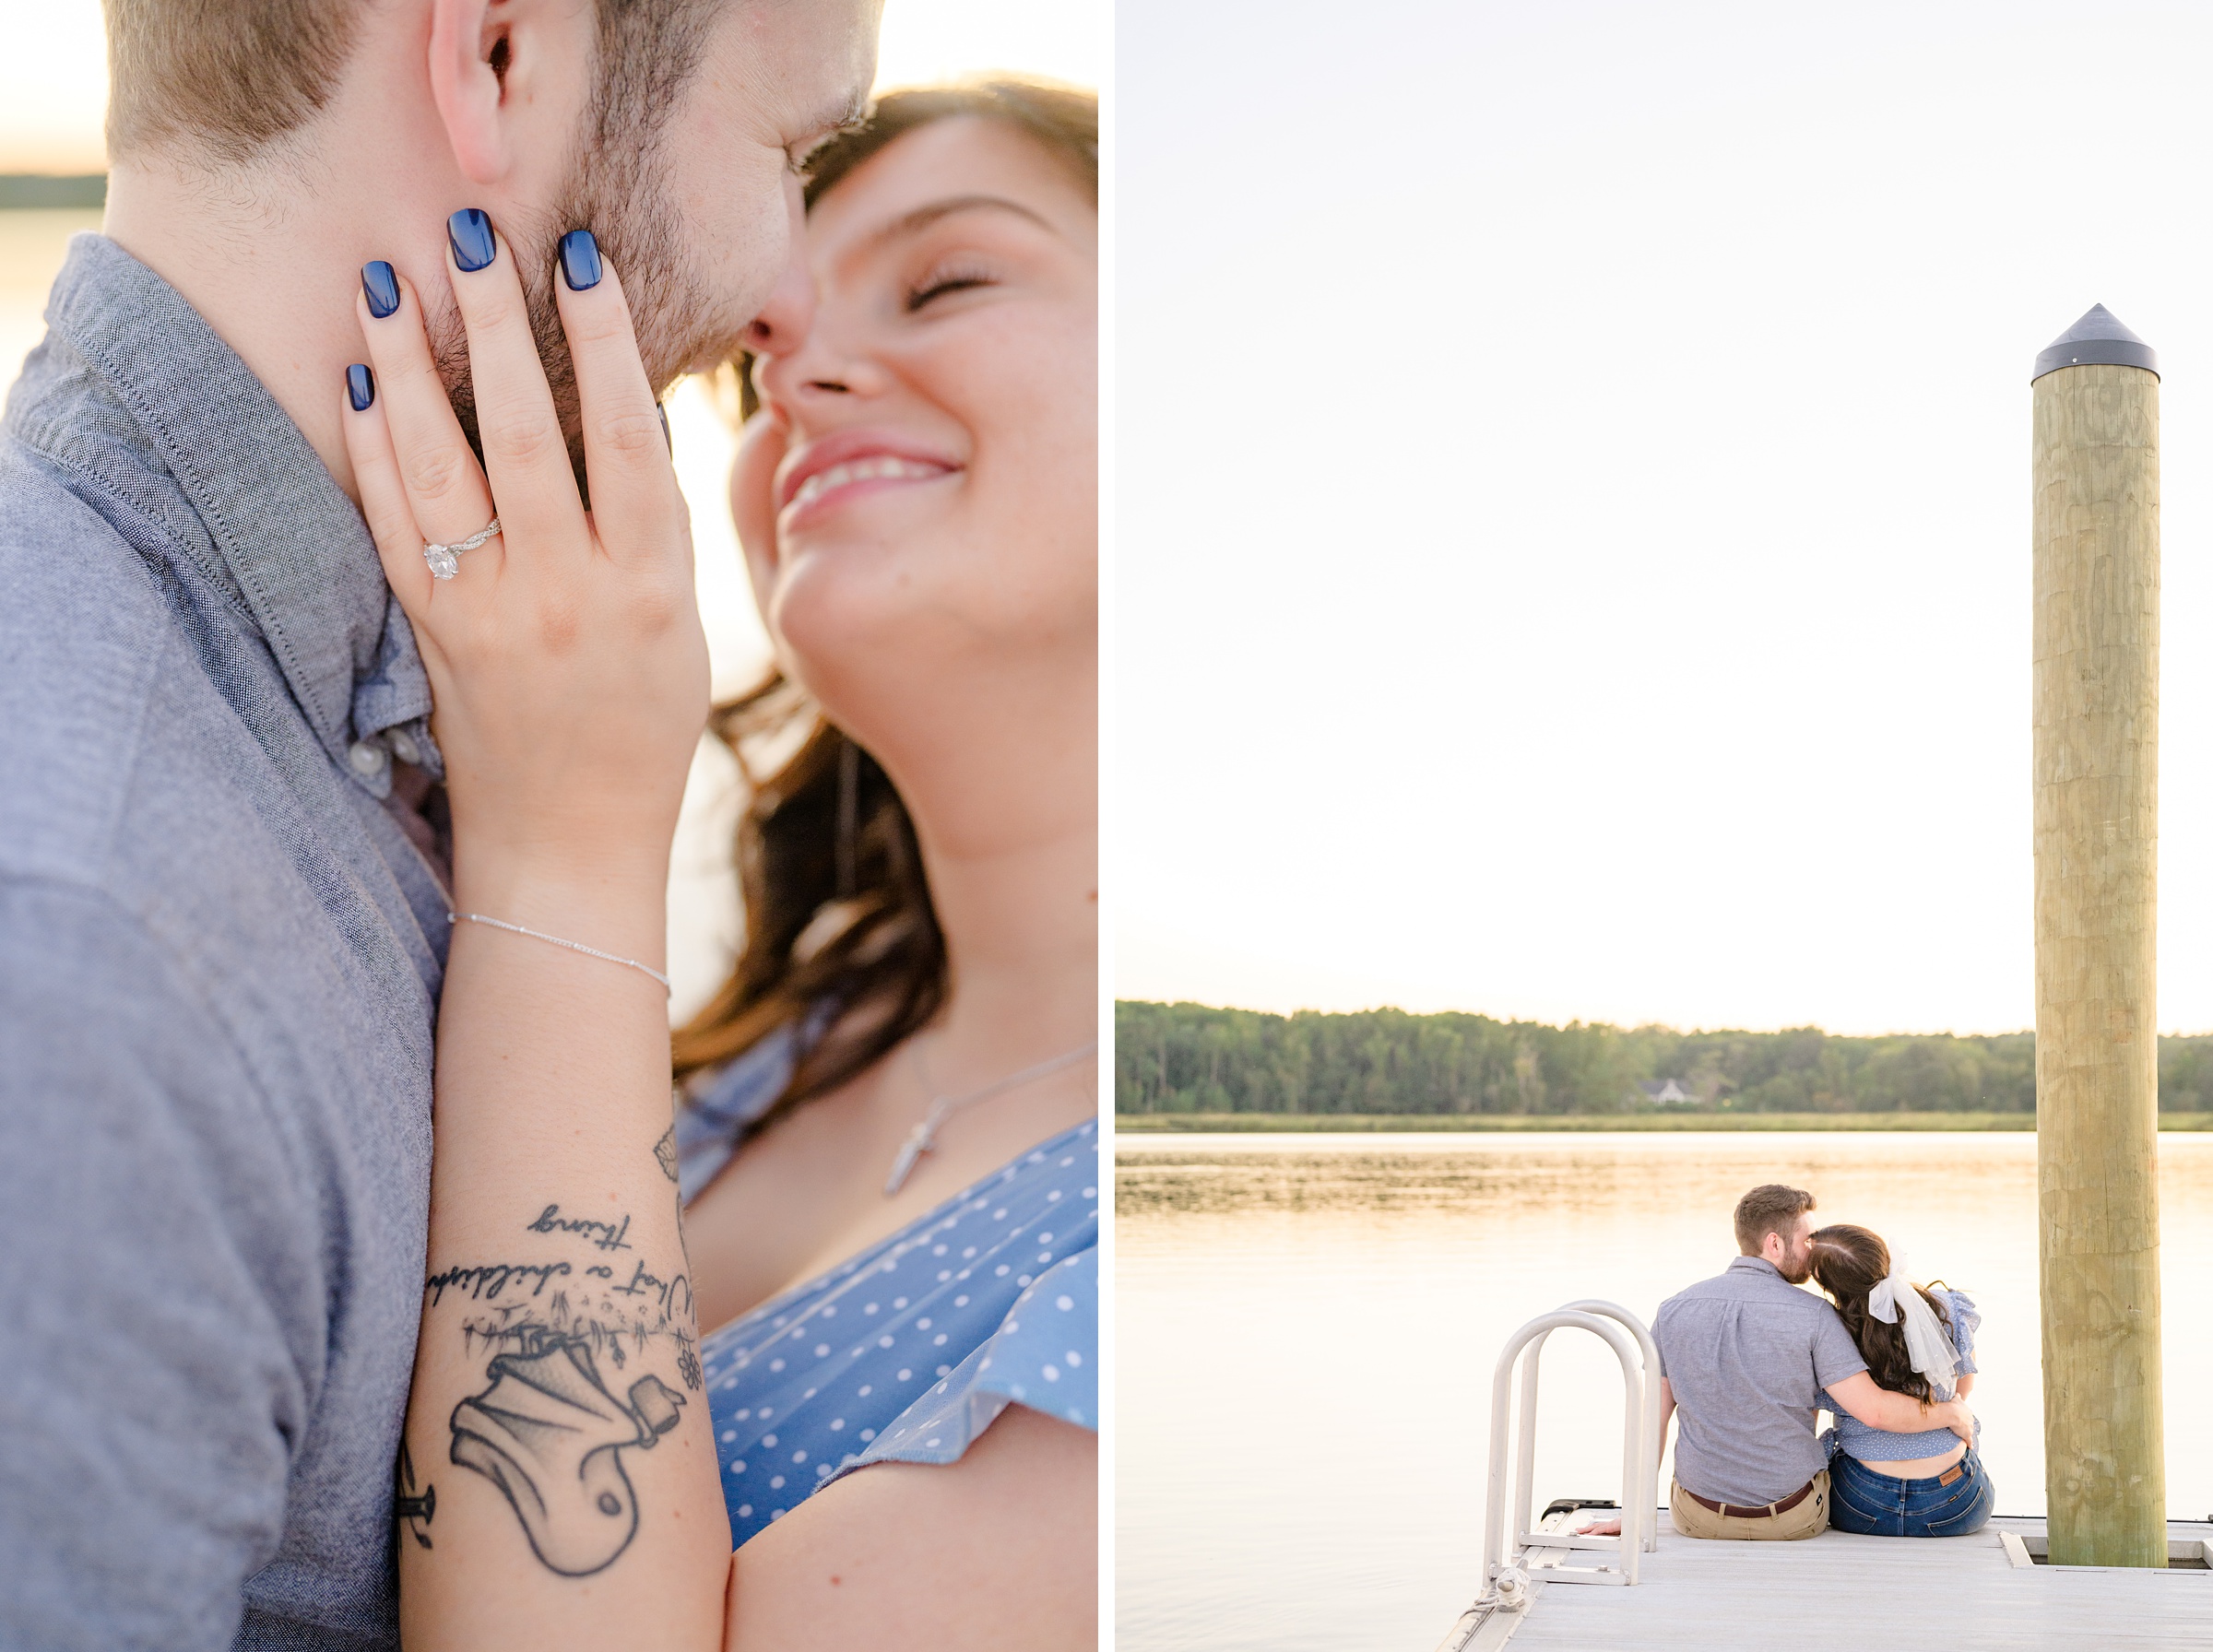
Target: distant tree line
[1192, 1058]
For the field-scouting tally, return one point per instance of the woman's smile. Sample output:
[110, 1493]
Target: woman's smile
[838, 469]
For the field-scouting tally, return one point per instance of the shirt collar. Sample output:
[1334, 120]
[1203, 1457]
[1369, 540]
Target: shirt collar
[296, 552]
[1757, 1265]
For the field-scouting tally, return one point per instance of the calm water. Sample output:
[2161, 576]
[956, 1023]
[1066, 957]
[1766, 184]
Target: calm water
[32, 245]
[1308, 1326]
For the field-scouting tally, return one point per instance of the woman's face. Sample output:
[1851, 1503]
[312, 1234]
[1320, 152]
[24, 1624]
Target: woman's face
[920, 493]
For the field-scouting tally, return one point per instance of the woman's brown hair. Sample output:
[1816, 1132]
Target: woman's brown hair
[838, 919]
[1849, 1262]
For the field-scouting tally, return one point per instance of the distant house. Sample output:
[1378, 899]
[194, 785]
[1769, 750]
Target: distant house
[1667, 1092]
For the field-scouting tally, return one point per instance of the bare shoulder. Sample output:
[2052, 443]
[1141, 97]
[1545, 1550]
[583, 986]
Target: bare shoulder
[996, 1551]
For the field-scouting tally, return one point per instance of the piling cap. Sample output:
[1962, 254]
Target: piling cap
[2097, 340]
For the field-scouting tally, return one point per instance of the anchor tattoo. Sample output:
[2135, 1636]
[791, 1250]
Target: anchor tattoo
[413, 1513]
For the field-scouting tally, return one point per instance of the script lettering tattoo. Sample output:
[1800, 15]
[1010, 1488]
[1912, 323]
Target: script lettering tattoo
[674, 1296]
[606, 1235]
[410, 1512]
[665, 1155]
[487, 1280]
[548, 1433]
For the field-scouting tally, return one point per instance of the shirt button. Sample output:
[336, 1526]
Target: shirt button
[366, 756]
[404, 747]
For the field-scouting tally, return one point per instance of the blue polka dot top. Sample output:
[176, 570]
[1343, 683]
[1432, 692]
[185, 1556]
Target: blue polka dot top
[1877, 1446]
[907, 1351]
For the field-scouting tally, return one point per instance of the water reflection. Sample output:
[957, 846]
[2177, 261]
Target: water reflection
[1383, 1182]
[1308, 1326]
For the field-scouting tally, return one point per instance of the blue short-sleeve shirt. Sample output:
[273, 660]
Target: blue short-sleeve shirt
[909, 1350]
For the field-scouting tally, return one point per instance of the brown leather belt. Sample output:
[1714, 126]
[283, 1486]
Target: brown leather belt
[1792, 1501]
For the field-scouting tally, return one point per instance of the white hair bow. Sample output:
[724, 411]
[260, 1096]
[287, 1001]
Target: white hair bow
[1928, 1349]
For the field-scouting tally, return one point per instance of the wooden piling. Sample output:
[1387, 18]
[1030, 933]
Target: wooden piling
[2096, 691]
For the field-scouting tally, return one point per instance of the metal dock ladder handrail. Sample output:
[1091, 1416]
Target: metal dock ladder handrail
[1506, 1578]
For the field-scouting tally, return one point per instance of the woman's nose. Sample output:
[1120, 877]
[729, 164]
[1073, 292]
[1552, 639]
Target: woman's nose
[829, 363]
[783, 323]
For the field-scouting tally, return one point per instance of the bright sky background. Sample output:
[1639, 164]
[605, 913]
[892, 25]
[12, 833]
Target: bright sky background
[53, 79]
[1573, 496]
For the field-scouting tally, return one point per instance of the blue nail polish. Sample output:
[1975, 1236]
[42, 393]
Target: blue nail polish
[663, 411]
[380, 287]
[580, 259]
[360, 387]
[470, 232]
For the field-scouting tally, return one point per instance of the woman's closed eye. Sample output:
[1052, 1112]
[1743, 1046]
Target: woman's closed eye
[945, 278]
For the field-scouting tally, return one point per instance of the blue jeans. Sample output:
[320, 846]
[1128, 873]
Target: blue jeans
[1878, 1505]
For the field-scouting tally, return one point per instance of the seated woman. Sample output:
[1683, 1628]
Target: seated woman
[1918, 1341]
[889, 1148]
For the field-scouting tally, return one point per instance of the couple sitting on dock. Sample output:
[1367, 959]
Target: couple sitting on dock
[1749, 1361]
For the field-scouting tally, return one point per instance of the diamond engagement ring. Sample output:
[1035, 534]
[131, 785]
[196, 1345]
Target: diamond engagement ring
[445, 560]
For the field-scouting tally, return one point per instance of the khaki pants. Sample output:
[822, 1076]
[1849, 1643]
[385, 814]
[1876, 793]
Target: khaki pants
[1809, 1519]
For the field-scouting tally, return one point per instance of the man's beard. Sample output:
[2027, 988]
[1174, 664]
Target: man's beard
[678, 321]
[618, 189]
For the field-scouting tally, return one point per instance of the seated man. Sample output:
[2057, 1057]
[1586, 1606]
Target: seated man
[1746, 1356]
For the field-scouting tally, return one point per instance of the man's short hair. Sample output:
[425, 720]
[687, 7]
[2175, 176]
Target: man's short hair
[223, 76]
[1768, 1209]
[223, 79]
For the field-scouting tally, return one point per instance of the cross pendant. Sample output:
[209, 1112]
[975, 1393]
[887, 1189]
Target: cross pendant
[918, 1142]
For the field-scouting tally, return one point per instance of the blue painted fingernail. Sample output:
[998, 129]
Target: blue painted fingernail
[665, 436]
[580, 259]
[380, 287]
[470, 232]
[360, 387]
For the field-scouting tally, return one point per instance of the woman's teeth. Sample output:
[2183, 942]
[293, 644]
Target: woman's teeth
[861, 471]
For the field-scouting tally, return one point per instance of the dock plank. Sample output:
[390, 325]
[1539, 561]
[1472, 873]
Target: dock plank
[1842, 1593]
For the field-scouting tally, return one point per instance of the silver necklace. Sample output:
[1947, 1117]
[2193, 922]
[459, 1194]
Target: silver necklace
[923, 1138]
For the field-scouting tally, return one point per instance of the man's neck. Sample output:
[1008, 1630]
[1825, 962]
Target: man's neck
[271, 251]
[267, 269]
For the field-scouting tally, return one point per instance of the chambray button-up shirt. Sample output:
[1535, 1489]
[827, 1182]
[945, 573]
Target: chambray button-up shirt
[1747, 1355]
[219, 957]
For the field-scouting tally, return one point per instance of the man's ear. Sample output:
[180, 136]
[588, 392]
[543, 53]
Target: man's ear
[469, 58]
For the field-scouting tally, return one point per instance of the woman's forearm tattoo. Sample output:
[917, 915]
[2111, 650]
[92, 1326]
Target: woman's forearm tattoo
[562, 1401]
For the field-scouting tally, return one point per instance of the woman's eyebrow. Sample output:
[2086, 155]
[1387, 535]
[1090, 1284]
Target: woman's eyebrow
[921, 218]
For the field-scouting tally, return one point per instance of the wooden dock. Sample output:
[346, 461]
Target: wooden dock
[1842, 1593]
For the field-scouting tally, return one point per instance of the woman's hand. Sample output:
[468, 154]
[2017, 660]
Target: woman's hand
[565, 654]
[571, 677]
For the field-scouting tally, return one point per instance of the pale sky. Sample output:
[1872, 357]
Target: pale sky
[1573, 496]
[54, 82]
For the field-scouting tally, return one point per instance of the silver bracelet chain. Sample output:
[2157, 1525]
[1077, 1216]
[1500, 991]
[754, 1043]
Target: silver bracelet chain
[573, 945]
